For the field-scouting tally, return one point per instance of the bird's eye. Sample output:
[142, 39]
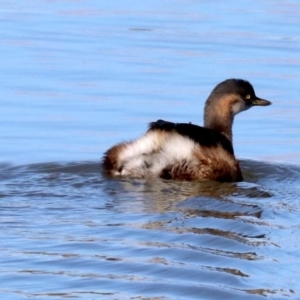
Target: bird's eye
[248, 96]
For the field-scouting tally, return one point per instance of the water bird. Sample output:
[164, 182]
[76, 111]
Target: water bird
[185, 151]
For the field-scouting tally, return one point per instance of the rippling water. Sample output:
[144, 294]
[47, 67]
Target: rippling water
[79, 76]
[67, 231]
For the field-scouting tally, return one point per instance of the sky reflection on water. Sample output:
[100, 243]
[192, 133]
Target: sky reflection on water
[80, 76]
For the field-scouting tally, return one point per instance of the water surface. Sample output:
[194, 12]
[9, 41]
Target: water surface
[79, 76]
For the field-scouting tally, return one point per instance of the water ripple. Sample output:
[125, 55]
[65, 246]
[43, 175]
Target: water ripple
[78, 230]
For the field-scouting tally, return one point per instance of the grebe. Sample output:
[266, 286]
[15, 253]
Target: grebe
[186, 151]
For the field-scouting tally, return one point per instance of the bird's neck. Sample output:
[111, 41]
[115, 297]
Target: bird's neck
[222, 127]
[219, 118]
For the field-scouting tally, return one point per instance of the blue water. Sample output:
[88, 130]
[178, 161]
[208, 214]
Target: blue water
[80, 76]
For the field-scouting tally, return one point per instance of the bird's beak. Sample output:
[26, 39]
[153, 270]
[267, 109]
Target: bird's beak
[261, 102]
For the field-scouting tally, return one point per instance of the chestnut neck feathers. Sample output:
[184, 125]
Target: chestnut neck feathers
[226, 100]
[219, 118]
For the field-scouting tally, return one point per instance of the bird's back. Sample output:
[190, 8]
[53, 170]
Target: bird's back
[175, 151]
